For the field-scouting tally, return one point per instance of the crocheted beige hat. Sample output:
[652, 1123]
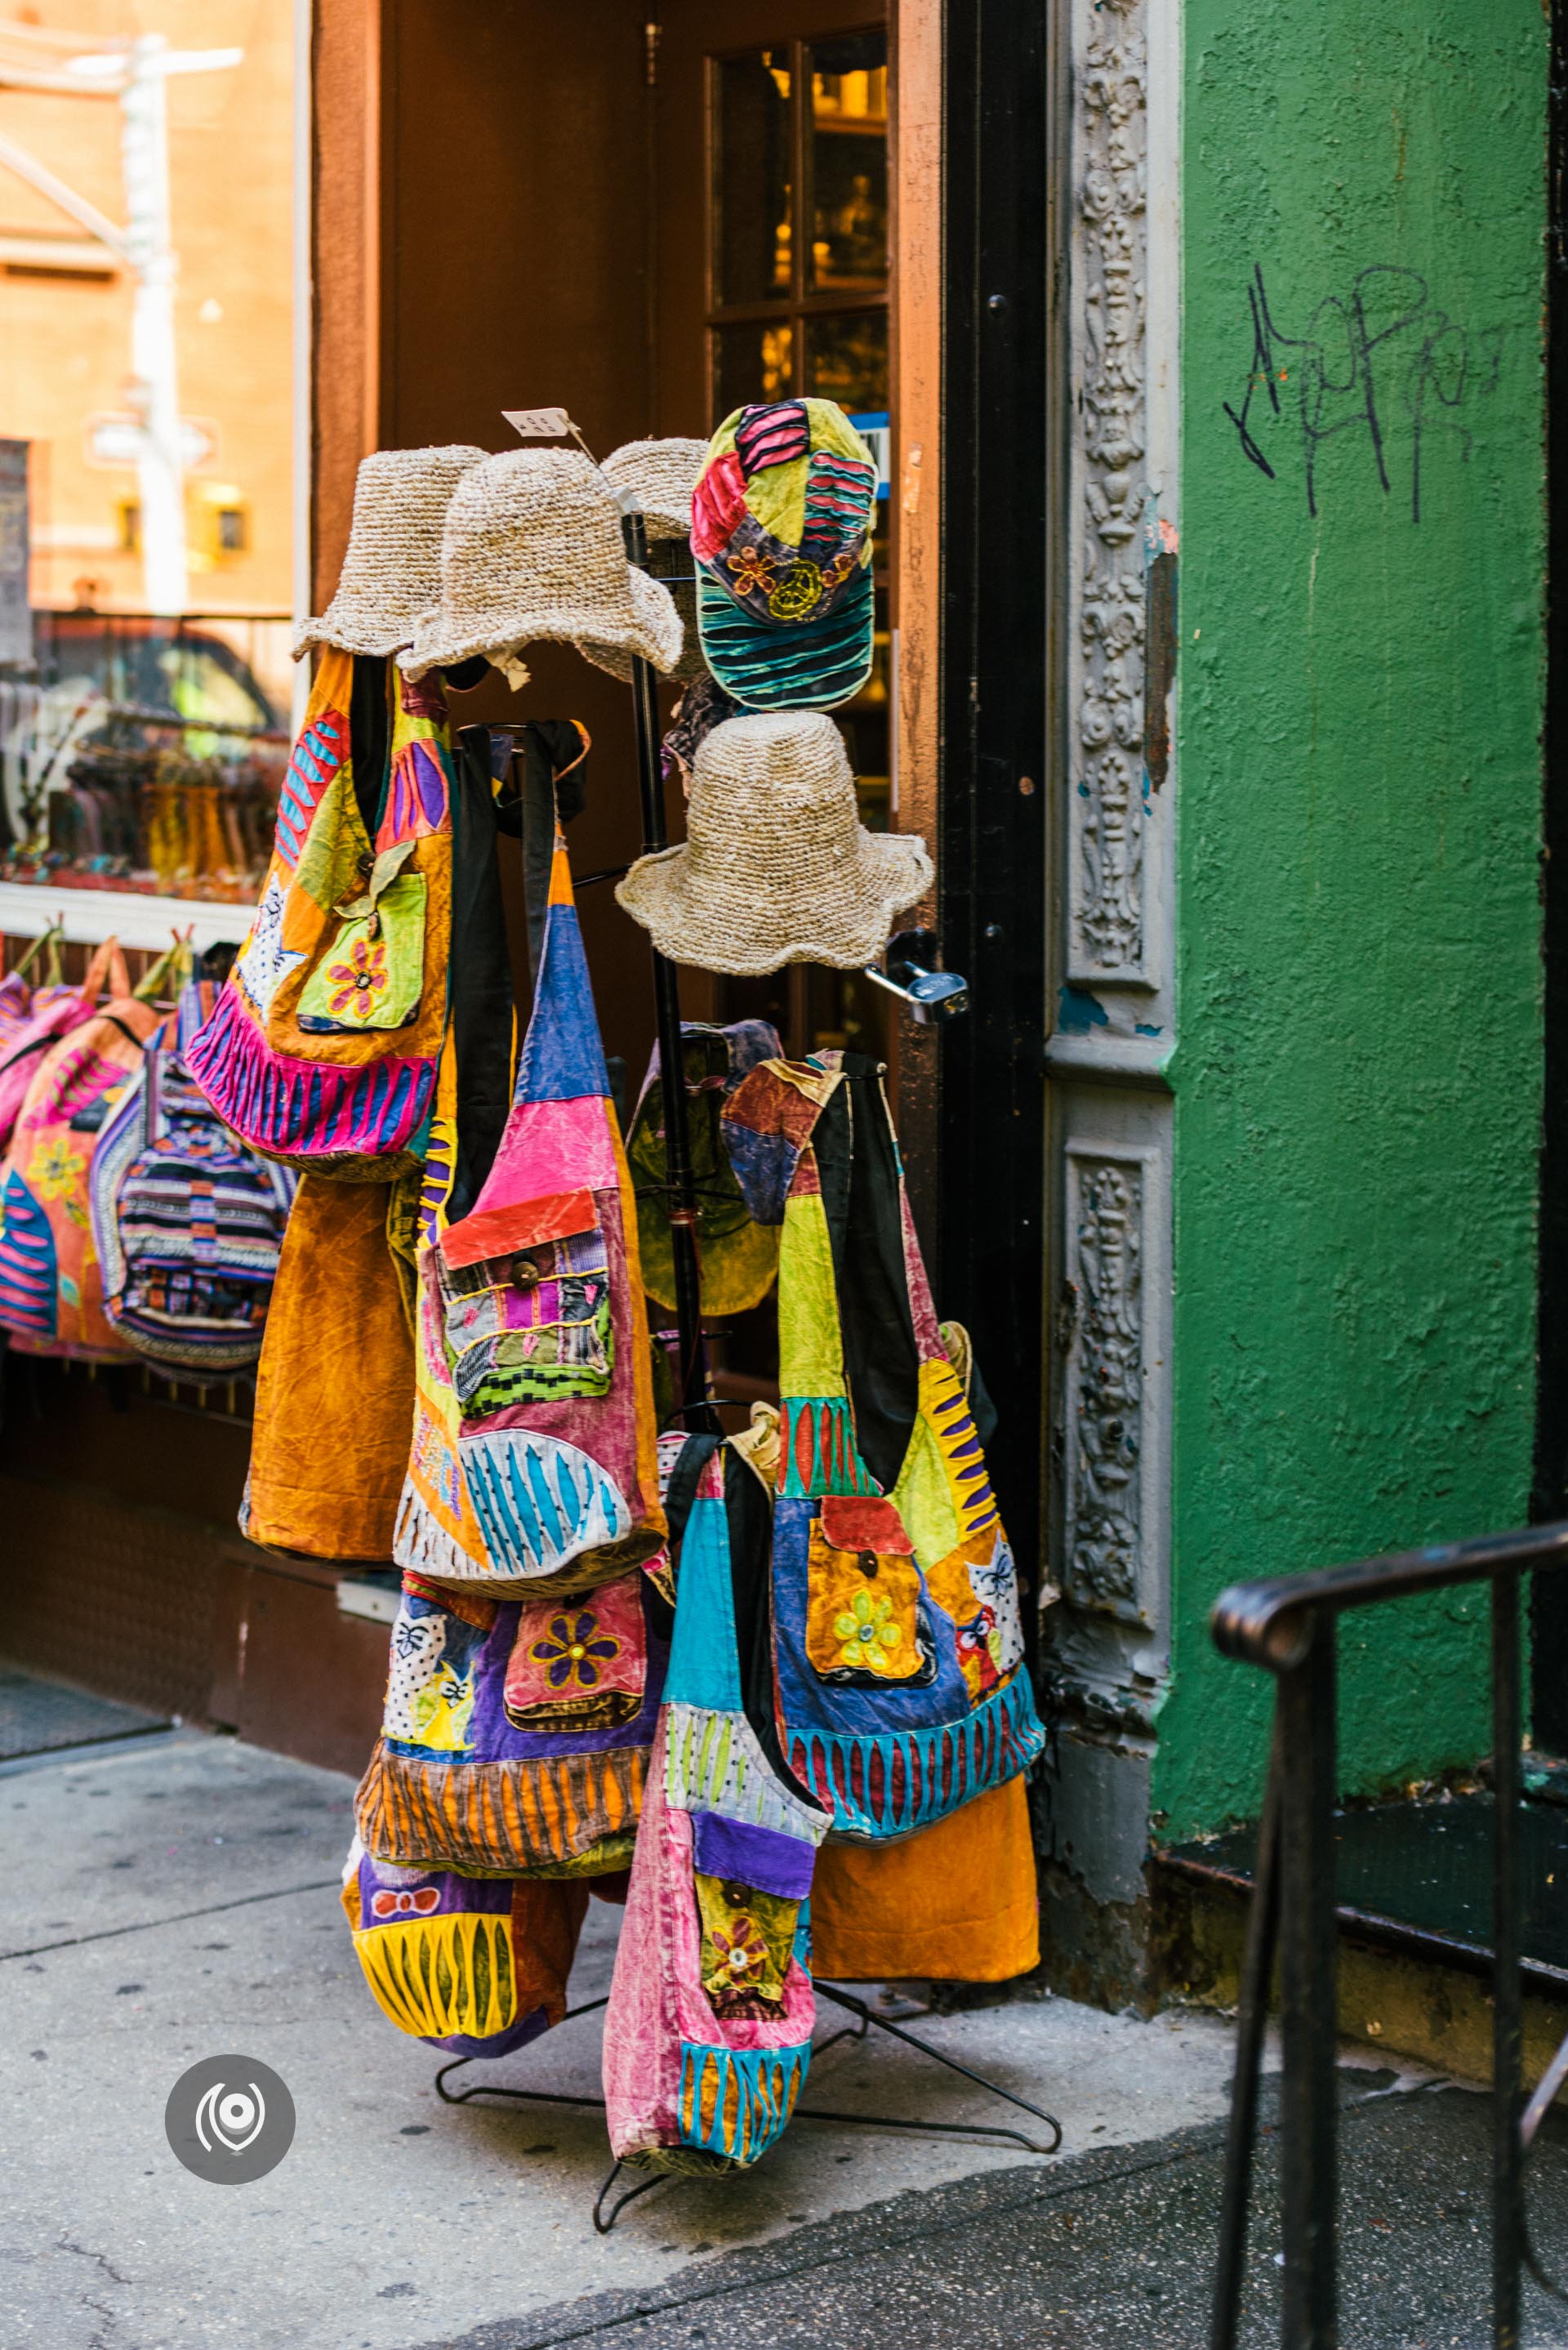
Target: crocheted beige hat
[669, 560]
[392, 572]
[533, 549]
[776, 866]
[661, 476]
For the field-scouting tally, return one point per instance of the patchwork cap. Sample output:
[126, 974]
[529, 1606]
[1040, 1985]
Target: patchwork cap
[533, 550]
[776, 866]
[391, 571]
[781, 529]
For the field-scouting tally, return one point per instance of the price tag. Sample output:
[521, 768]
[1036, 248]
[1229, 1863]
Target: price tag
[539, 423]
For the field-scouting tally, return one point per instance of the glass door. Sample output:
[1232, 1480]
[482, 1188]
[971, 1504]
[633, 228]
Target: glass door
[798, 304]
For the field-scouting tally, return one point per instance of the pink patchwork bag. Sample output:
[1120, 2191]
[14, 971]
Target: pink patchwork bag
[51, 1012]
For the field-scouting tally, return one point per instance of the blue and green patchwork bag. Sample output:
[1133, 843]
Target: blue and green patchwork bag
[187, 1224]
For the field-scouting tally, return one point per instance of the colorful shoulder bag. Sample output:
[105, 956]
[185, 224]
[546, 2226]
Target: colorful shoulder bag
[51, 1289]
[187, 1224]
[708, 2030]
[322, 1048]
[898, 1642]
[52, 1012]
[535, 1465]
[516, 1733]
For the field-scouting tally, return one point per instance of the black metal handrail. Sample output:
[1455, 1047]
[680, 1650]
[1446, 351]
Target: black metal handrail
[1288, 1624]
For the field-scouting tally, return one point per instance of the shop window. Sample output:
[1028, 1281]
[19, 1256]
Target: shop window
[798, 224]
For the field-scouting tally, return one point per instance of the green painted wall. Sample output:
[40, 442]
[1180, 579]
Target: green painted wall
[1357, 1073]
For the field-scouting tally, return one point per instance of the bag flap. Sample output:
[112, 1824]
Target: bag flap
[864, 1522]
[523, 1223]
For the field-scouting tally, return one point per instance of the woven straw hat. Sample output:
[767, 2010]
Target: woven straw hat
[669, 561]
[392, 572]
[533, 549]
[661, 476]
[776, 866]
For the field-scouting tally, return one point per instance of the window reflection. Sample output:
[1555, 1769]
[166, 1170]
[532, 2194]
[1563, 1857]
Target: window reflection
[846, 358]
[753, 191]
[848, 164]
[751, 362]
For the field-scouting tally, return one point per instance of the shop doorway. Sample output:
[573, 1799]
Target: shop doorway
[649, 223]
[572, 206]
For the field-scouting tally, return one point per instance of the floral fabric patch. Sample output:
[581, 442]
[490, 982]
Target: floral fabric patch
[862, 1603]
[747, 1939]
[579, 1664]
[370, 975]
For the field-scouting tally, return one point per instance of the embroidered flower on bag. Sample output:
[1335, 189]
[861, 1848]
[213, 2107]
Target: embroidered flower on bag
[356, 983]
[869, 1637]
[743, 1953]
[749, 568]
[57, 1170]
[574, 1650]
[797, 593]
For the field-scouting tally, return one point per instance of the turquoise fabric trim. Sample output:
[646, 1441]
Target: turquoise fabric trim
[765, 2084]
[889, 1785]
[817, 665]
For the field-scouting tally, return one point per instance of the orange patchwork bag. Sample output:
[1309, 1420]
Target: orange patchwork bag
[322, 1049]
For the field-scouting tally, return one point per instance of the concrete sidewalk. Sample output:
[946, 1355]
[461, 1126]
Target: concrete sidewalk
[170, 1898]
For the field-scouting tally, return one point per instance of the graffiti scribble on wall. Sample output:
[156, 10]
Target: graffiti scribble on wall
[1383, 362]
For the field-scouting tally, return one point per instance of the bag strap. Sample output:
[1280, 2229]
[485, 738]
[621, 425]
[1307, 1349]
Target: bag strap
[152, 1117]
[45, 937]
[107, 962]
[681, 1494]
[170, 971]
[129, 1035]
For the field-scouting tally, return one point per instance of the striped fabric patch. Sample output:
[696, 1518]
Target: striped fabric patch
[313, 761]
[814, 667]
[839, 492]
[889, 1784]
[306, 1112]
[29, 1268]
[713, 1761]
[817, 1452]
[498, 1819]
[944, 1404]
[736, 2101]
[539, 1500]
[774, 434]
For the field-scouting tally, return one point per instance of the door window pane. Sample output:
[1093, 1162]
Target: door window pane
[752, 187]
[847, 250]
[846, 358]
[751, 362]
